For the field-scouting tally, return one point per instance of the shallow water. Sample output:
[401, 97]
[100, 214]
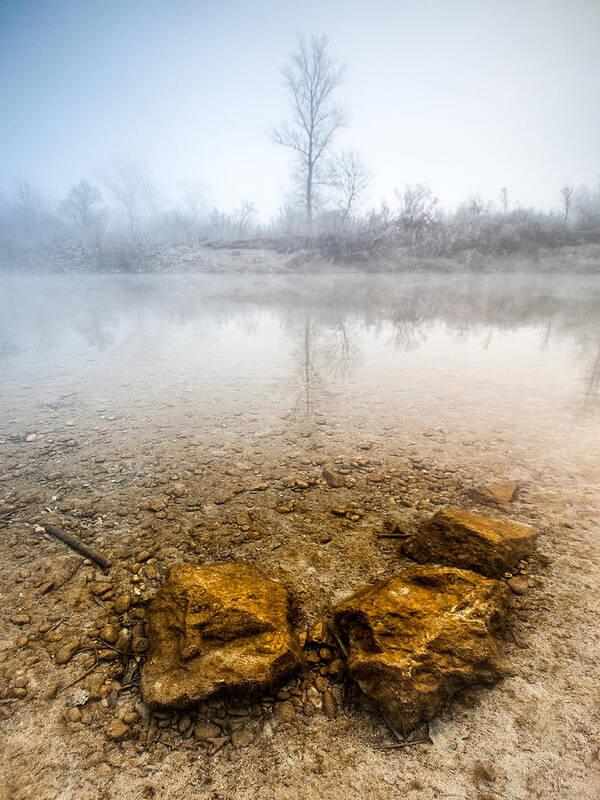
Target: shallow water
[511, 356]
[222, 398]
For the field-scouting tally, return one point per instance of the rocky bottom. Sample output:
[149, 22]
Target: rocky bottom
[74, 645]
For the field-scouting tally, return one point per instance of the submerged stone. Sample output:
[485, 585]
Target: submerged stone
[215, 628]
[471, 541]
[496, 493]
[416, 639]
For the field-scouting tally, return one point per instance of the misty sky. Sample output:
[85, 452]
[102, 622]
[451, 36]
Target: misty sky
[467, 96]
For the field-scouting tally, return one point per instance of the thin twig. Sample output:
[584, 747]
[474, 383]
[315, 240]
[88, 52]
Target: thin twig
[111, 647]
[341, 645]
[392, 728]
[75, 544]
[87, 672]
[402, 745]
[68, 578]
[514, 638]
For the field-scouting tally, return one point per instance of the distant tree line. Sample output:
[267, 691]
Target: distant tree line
[123, 212]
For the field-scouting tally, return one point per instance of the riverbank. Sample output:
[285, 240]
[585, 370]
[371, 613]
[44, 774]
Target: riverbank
[281, 257]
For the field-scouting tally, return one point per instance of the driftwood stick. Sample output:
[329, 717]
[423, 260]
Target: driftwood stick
[77, 545]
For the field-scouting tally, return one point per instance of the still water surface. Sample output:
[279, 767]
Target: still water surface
[455, 360]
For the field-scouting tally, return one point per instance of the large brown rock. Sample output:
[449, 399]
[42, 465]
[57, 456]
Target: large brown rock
[471, 541]
[215, 628]
[416, 639]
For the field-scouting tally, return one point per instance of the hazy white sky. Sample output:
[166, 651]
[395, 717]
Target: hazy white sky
[467, 96]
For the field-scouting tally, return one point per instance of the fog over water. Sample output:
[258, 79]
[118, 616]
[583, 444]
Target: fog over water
[454, 349]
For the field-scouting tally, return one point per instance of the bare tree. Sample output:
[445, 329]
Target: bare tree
[504, 199]
[83, 205]
[131, 187]
[566, 194]
[418, 207]
[28, 205]
[244, 215]
[311, 77]
[350, 177]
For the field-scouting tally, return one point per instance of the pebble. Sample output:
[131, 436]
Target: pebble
[518, 585]
[122, 603]
[117, 730]
[242, 738]
[109, 634]
[73, 715]
[67, 651]
[336, 668]
[203, 731]
[329, 705]
[140, 644]
[284, 711]
[20, 619]
[78, 697]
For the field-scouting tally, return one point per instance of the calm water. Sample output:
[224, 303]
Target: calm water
[414, 360]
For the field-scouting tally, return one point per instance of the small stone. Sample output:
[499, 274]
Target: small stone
[51, 691]
[204, 731]
[336, 668]
[518, 585]
[130, 717]
[155, 504]
[100, 587]
[149, 572]
[122, 603]
[21, 682]
[95, 758]
[20, 619]
[117, 730]
[139, 644]
[143, 555]
[67, 651]
[109, 634]
[184, 724]
[78, 697]
[329, 705]
[333, 479]
[285, 711]
[242, 738]
[31, 437]
[73, 715]
[497, 493]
